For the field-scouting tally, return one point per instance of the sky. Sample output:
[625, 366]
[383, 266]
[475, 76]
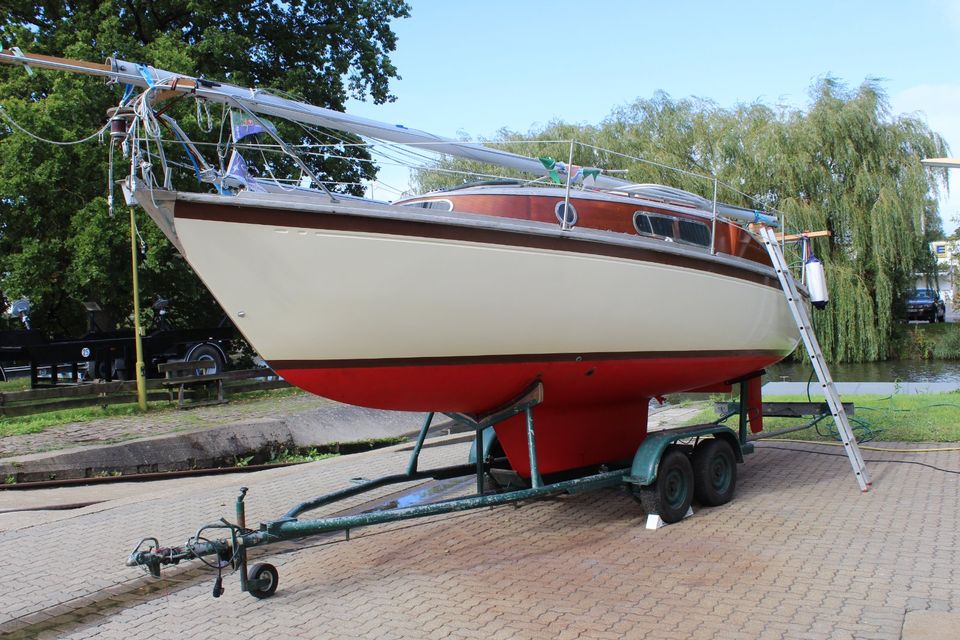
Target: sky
[472, 68]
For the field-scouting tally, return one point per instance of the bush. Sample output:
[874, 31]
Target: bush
[948, 347]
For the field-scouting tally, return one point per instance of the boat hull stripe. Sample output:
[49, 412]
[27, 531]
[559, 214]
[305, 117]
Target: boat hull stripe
[442, 231]
[510, 359]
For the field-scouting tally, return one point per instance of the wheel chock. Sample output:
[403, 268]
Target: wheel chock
[654, 521]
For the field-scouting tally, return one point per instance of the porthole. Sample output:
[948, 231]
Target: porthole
[642, 223]
[436, 205]
[568, 211]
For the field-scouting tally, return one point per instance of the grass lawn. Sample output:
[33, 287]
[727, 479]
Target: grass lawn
[931, 417]
[15, 384]
[40, 421]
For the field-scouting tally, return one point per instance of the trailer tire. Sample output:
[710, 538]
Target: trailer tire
[714, 472]
[266, 572]
[671, 493]
[206, 352]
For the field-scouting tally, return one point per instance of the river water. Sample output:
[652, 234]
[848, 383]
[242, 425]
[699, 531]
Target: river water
[890, 371]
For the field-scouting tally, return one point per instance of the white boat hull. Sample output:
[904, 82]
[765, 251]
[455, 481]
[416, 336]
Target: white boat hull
[386, 307]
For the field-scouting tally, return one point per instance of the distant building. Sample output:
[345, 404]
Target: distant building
[945, 250]
[947, 253]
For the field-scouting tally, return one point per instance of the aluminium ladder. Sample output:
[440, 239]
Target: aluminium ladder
[802, 318]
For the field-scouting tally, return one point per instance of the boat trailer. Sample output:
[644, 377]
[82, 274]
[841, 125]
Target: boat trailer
[669, 469]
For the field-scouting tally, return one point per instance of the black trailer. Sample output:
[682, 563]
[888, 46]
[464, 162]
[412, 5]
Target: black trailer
[13, 348]
[111, 355]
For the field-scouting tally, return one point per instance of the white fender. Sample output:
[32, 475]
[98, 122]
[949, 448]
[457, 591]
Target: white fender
[816, 282]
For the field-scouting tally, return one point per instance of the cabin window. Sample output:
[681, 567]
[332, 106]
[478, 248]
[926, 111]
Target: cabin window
[642, 223]
[694, 232]
[662, 225]
[564, 210]
[439, 205]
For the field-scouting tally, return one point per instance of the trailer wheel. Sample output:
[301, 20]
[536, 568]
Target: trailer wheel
[672, 492]
[714, 472]
[262, 580]
[207, 353]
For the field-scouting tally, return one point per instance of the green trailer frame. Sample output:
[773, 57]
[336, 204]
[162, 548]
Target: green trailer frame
[644, 475]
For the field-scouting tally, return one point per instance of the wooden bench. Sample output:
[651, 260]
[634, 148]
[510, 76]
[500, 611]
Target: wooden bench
[182, 375]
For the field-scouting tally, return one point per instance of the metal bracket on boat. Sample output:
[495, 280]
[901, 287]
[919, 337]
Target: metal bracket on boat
[744, 410]
[525, 402]
[529, 398]
[18, 55]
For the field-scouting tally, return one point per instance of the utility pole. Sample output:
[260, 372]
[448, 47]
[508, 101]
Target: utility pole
[141, 379]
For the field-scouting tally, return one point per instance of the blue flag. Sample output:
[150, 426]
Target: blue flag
[244, 125]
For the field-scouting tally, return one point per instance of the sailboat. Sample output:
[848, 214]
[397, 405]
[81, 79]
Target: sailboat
[605, 292]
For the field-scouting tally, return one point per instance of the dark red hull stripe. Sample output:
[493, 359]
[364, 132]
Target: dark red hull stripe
[442, 231]
[514, 359]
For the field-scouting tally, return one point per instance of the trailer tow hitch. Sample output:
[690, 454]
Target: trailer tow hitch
[262, 580]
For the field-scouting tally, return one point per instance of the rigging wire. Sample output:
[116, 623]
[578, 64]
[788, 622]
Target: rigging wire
[13, 123]
[401, 153]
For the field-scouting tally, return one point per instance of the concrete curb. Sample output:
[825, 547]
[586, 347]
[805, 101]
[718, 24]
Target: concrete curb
[213, 446]
[221, 445]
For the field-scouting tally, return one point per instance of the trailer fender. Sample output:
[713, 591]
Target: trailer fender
[646, 461]
[489, 441]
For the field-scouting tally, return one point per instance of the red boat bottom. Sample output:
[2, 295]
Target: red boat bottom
[594, 411]
[575, 436]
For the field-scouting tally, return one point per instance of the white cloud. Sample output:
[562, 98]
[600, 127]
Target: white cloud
[939, 105]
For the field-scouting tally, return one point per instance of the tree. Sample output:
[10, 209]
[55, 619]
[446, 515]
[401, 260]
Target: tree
[844, 164]
[58, 244]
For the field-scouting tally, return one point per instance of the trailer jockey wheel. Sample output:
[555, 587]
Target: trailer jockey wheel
[714, 472]
[672, 492]
[262, 580]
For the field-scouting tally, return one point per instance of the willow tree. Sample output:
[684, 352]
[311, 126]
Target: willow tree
[844, 164]
[849, 166]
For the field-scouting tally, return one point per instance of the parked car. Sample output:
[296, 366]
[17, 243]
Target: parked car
[925, 304]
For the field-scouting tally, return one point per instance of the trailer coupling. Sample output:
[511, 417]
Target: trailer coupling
[153, 556]
[260, 581]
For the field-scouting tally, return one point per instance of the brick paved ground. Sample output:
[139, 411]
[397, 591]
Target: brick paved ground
[800, 553]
